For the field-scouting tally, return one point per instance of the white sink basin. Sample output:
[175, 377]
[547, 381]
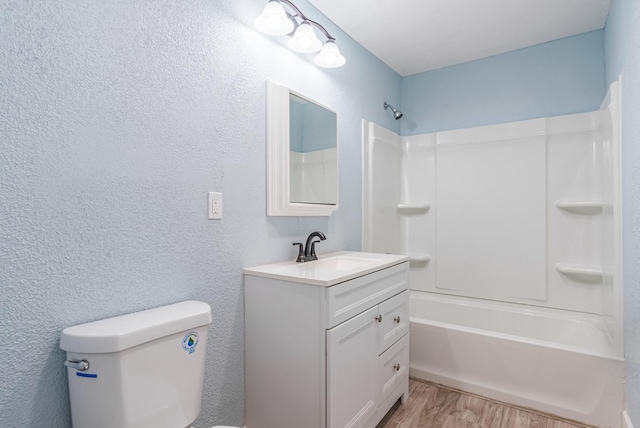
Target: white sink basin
[341, 263]
[328, 270]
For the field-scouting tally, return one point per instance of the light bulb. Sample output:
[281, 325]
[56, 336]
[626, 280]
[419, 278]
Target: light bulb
[330, 56]
[304, 40]
[274, 20]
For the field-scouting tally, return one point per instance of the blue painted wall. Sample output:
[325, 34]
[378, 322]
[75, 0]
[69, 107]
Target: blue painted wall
[622, 48]
[559, 77]
[116, 118]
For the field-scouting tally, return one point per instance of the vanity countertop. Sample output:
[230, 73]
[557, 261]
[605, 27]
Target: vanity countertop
[329, 269]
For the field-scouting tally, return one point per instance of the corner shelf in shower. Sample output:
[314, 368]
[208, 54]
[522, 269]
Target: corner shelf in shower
[413, 208]
[419, 258]
[581, 207]
[584, 271]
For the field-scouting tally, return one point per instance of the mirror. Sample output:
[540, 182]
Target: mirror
[302, 155]
[313, 152]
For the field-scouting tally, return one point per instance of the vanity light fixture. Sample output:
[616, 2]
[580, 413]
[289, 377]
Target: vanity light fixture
[276, 21]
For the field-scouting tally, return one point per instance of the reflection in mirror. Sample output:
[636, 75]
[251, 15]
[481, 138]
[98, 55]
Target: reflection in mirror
[313, 159]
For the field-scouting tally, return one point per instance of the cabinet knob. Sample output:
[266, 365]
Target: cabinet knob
[397, 367]
[379, 318]
[397, 319]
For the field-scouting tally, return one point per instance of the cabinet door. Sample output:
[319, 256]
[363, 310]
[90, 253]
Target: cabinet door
[395, 320]
[352, 353]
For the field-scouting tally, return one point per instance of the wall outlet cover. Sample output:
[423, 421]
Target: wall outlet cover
[215, 206]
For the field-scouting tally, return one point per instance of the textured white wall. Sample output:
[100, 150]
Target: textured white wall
[622, 48]
[116, 118]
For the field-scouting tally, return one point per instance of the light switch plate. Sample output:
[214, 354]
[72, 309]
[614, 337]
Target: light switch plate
[215, 205]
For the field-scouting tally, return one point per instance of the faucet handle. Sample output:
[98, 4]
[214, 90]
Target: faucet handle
[313, 249]
[300, 258]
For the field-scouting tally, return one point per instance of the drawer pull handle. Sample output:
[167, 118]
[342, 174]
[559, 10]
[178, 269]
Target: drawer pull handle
[397, 367]
[397, 319]
[379, 318]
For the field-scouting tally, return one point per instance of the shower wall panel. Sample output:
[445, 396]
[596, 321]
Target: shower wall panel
[419, 188]
[577, 156]
[497, 227]
[381, 189]
[491, 218]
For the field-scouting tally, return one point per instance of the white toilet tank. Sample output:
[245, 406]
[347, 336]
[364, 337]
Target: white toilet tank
[144, 369]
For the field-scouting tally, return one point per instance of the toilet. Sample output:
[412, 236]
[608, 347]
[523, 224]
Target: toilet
[138, 370]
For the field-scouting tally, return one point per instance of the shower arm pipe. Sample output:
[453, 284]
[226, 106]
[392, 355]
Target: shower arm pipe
[304, 18]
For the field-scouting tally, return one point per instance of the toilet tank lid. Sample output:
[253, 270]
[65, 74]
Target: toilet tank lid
[126, 331]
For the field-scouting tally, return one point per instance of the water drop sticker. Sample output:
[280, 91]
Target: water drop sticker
[190, 342]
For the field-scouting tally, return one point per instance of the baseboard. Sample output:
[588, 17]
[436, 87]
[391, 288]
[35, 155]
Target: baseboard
[626, 421]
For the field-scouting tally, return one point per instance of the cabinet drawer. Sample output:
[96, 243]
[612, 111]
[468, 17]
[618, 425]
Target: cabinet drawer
[395, 320]
[350, 298]
[393, 367]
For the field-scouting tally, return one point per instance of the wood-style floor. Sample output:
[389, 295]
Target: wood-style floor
[433, 406]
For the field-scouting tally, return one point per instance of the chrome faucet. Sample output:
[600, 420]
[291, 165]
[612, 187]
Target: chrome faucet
[309, 252]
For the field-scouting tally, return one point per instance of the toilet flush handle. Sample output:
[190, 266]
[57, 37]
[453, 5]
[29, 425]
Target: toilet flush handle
[81, 365]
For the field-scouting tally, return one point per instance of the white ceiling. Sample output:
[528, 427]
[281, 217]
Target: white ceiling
[412, 36]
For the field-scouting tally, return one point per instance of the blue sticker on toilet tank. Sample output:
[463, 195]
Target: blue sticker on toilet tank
[190, 342]
[91, 375]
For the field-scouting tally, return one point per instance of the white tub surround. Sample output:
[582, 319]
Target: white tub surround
[517, 227]
[530, 209]
[626, 420]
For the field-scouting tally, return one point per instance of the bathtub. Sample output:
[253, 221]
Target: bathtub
[549, 360]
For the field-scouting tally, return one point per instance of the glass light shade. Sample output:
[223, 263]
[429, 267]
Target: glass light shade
[304, 40]
[274, 20]
[330, 56]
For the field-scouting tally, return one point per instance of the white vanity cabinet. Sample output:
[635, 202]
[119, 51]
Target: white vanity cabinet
[362, 372]
[330, 350]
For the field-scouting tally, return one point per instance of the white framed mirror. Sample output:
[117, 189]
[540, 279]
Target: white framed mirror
[302, 154]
